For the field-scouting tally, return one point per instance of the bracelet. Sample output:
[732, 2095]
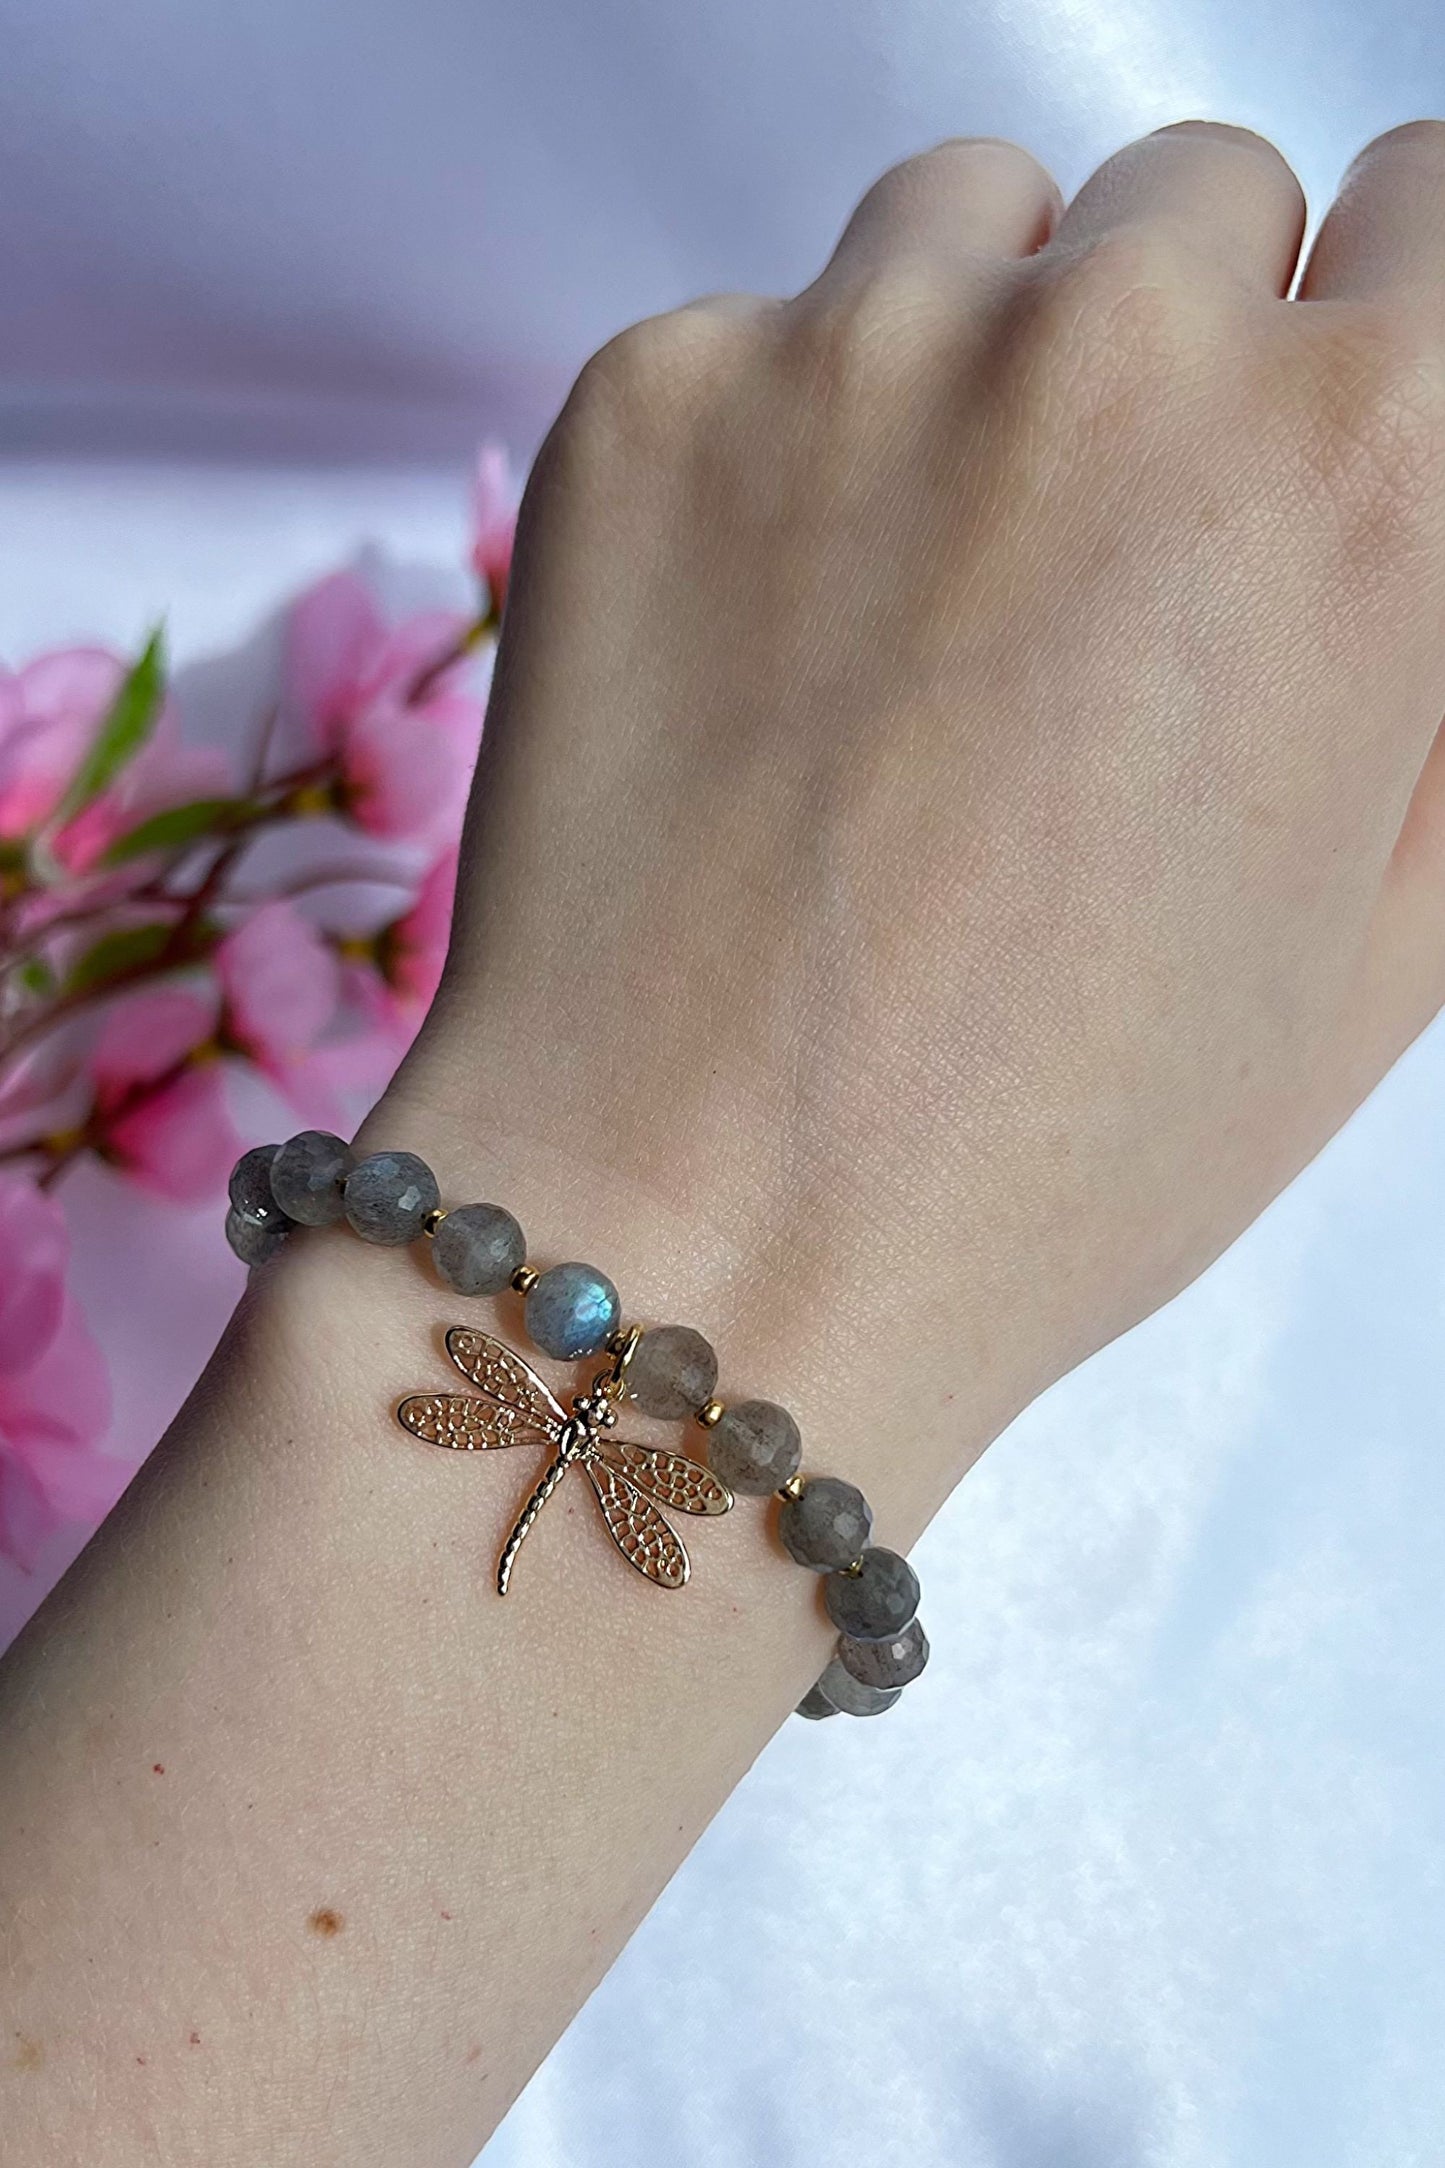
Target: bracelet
[572, 1311]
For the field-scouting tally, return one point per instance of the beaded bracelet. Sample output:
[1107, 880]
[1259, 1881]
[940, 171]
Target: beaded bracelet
[669, 1371]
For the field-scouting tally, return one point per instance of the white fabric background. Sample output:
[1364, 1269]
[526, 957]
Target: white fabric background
[1147, 1873]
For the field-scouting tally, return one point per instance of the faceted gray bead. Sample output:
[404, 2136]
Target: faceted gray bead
[851, 1696]
[477, 1248]
[754, 1447]
[307, 1174]
[828, 1526]
[886, 1663]
[876, 1603]
[672, 1372]
[572, 1310]
[253, 1239]
[388, 1195]
[250, 1187]
[815, 1706]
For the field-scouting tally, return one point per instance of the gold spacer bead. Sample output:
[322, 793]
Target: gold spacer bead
[854, 1570]
[433, 1219]
[793, 1489]
[710, 1414]
[524, 1279]
[622, 1347]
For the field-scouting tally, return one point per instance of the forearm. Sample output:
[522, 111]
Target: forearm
[928, 885]
[314, 1845]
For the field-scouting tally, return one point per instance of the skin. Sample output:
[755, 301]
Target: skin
[961, 821]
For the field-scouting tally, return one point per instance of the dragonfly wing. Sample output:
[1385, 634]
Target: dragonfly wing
[671, 1478]
[636, 1526]
[504, 1377]
[467, 1424]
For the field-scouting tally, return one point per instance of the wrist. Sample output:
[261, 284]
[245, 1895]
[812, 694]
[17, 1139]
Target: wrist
[888, 1390]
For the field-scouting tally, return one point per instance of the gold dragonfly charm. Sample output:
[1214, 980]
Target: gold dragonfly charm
[516, 1408]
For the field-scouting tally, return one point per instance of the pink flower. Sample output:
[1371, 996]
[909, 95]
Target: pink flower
[160, 1099]
[402, 732]
[49, 714]
[47, 718]
[163, 773]
[281, 984]
[54, 1392]
[395, 973]
[414, 948]
[494, 523]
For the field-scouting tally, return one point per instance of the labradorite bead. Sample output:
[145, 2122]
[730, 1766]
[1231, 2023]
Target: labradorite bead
[672, 1372]
[477, 1248]
[250, 1186]
[388, 1195]
[254, 1239]
[876, 1603]
[851, 1696]
[828, 1526]
[815, 1705]
[886, 1663]
[572, 1310]
[307, 1174]
[754, 1447]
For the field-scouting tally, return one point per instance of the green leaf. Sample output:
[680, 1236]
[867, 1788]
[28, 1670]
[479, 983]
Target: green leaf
[114, 953]
[124, 731]
[36, 976]
[180, 824]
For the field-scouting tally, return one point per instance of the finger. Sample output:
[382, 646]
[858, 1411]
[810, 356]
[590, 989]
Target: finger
[739, 305]
[961, 205]
[1384, 235]
[1227, 192]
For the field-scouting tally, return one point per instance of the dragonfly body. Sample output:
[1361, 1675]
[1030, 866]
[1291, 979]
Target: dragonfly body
[514, 1407]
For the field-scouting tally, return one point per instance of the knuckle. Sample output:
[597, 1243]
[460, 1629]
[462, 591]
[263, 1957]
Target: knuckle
[958, 162]
[662, 370]
[970, 158]
[1227, 135]
[1128, 308]
[852, 344]
[1408, 135]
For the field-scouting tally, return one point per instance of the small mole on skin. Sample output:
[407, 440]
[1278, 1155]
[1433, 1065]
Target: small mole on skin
[158, 1768]
[195, 2039]
[29, 2054]
[446, 1915]
[141, 2060]
[474, 2055]
[324, 1921]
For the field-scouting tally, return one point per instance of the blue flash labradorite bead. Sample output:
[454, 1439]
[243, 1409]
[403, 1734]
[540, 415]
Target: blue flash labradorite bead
[477, 1248]
[572, 1310]
[306, 1177]
[886, 1663]
[851, 1695]
[254, 1239]
[250, 1186]
[877, 1602]
[388, 1195]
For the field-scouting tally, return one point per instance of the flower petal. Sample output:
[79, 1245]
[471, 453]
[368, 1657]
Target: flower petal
[282, 983]
[146, 1034]
[333, 636]
[34, 1250]
[179, 1141]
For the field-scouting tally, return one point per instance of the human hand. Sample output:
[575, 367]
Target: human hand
[958, 825]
